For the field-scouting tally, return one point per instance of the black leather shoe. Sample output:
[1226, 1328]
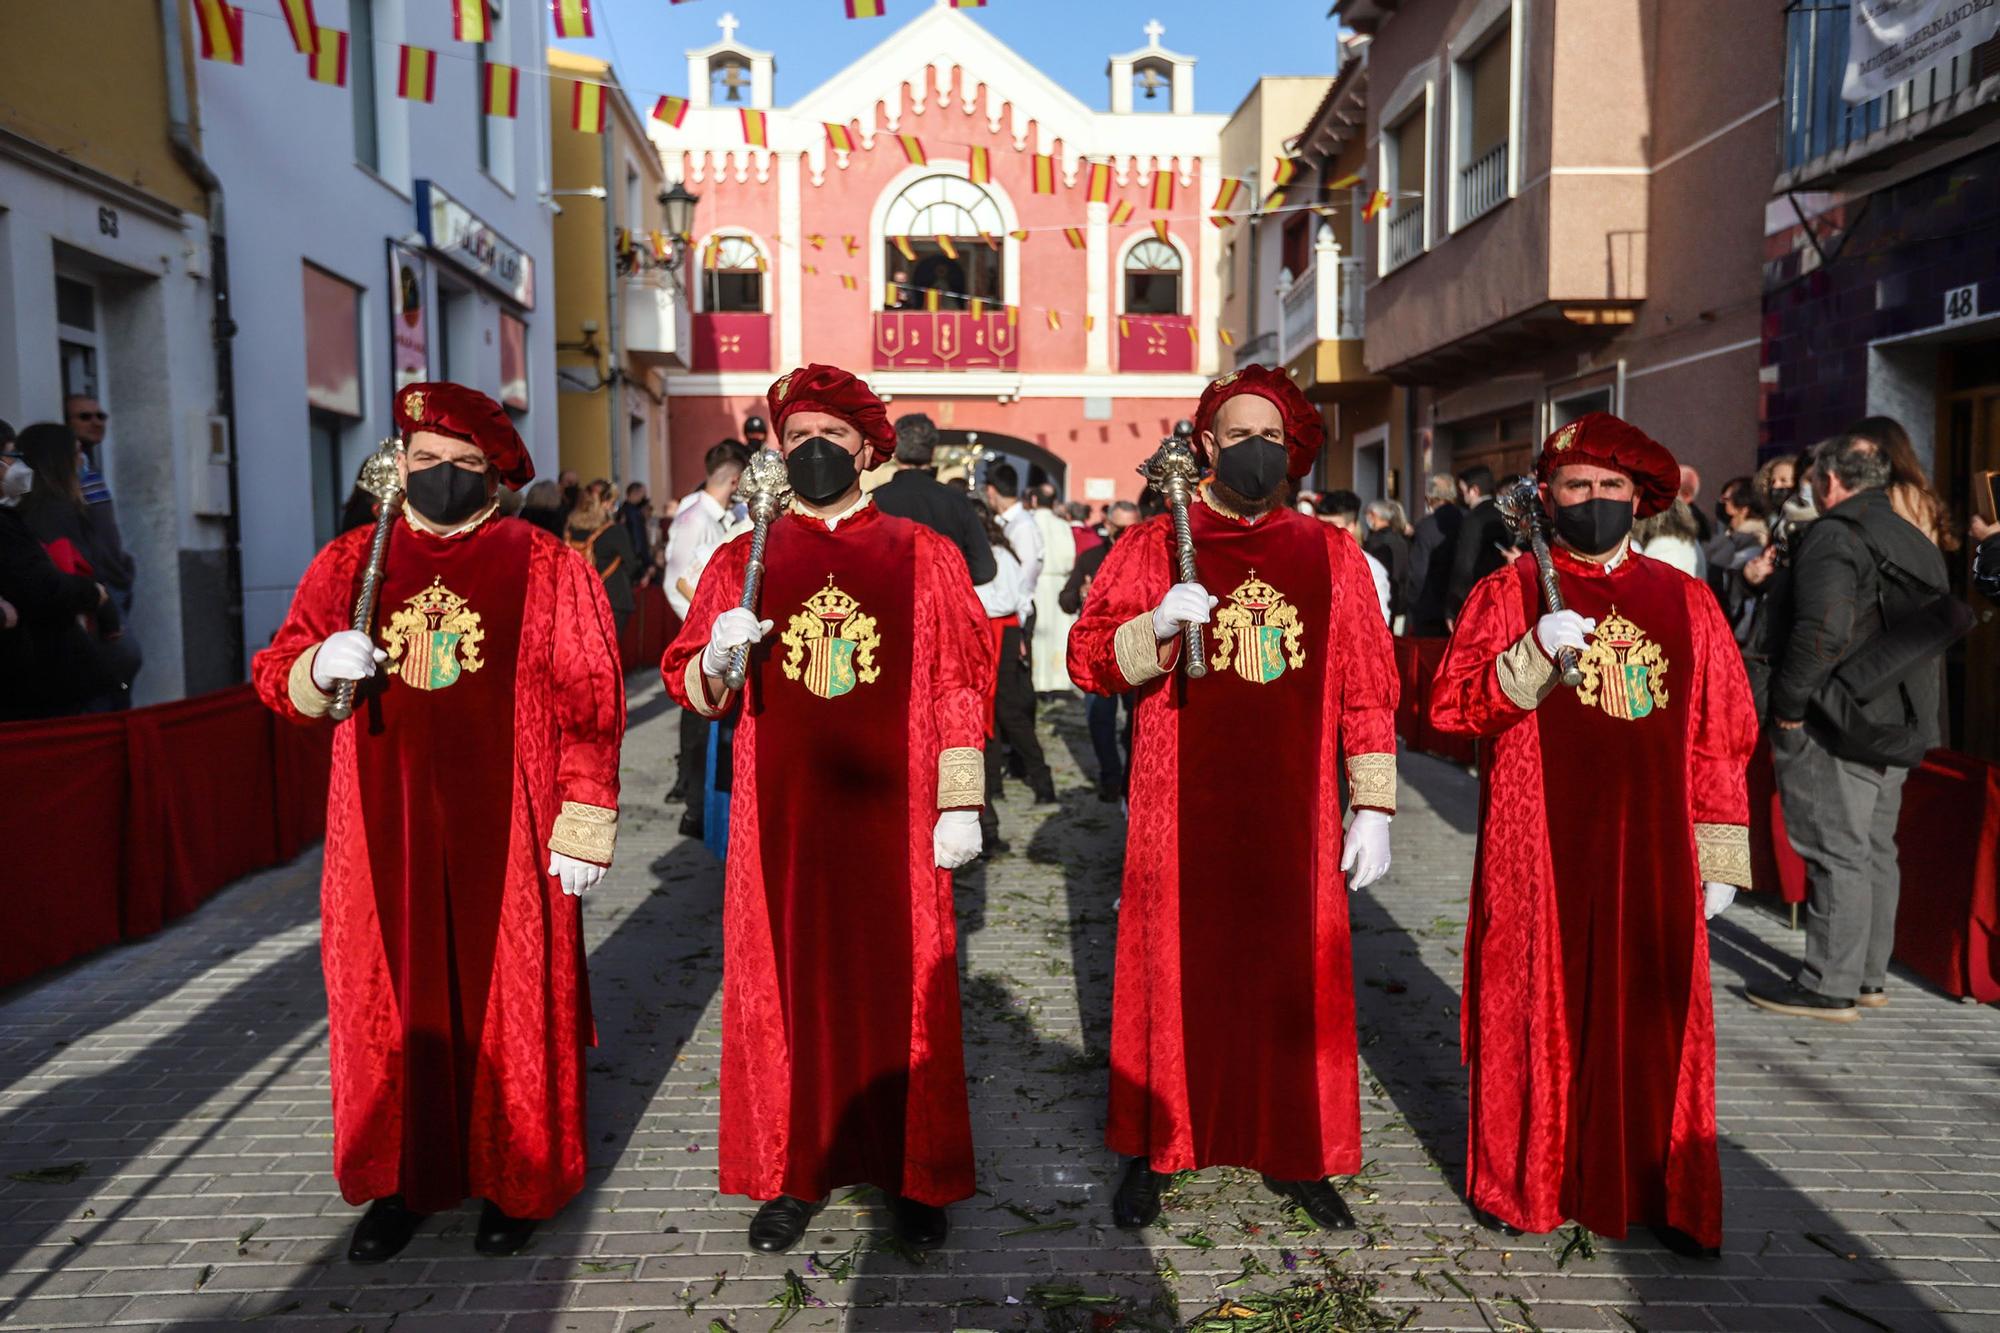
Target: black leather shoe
[691, 826]
[1797, 1001]
[1873, 997]
[1686, 1246]
[1047, 796]
[383, 1231]
[1137, 1202]
[1492, 1223]
[780, 1223]
[918, 1225]
[500, 1233]
[1321, 1202]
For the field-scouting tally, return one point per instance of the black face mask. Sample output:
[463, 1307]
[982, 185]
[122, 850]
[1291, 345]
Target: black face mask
[1252, 468]
[1594, 526]
[820, 470]
[446, 494]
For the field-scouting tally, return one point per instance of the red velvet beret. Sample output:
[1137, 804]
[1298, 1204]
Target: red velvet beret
[1607, 441]
[838, 393]
[469, 415]
[1304, 431]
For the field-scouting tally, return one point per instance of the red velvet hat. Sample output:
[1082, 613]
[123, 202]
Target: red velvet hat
[1608, 441]
[1304, 431]
[836, 392]
[469, 415]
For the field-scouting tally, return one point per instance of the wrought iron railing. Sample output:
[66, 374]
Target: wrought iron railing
[1482, 183]
[1406, 233]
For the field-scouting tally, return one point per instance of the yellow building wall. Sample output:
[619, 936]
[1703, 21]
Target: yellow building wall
[86, 78]
[577, 163]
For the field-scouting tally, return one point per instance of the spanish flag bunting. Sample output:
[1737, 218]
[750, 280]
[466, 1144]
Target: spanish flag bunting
[1100, 183]
[904, 248]
[839, 138]
[1282, 173]
[1163, 190]
[1228, 338]
[1160, 228]
[889, 295]
[1347, 182]
[1225, 194]
[469, 22]
[1013, 315]
[1055, 319]
[417, 72]
[1121, 211]
[816, 241]
[763, 264]
[329, 57]
[503, 91]
[932, 299]
[659, 243]
[847, 281]
[1089, 323]
[866, 9]
[852, 246]
[980, 168]
[968, 4]
[946, 244]
[913, 149]
[586, 107]
[992, 241]
[1019, 235]
[671, 111]
[813, 269]
[753, 128]
[1220, 220]
[221, 26]
[1045, 173]
[978, 308]
[1124, 327]
[1074, 235]
[1376, 203]
[572, 18]
[711, 254]
[299, 18]
[1277, 200]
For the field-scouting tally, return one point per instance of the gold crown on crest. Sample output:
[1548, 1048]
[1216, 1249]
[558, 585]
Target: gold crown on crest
[1253, 591]
[830, 603]
[1616, 629]
[436, 598]
[1565, 437]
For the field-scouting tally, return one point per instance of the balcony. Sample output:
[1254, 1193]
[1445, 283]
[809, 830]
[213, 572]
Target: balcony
[945, 340]
[657, 328]
[1321, 321]
[1406, 234]
[1482, 183]
[731, 340]
[1160, 344]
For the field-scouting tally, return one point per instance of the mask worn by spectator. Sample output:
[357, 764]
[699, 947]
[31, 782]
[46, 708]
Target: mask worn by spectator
[16, 481]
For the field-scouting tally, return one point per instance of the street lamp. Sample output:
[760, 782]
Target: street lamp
[678, 204]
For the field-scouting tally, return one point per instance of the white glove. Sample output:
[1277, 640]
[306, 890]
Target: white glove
[1562, 629]
[1364, 853]
[733, 629]
[578, 877]
[956, 838]
[1719, 896]
[1184, 604]
[348, 655]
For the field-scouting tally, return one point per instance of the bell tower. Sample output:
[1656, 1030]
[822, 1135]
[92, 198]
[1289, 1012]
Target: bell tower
[728, 73]
[1154, 72]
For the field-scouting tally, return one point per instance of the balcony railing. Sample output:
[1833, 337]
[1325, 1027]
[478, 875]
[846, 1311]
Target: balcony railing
[1406, 233]
[945, 340]
[1482, 183]
[656, 319]
[1262, 349]
[1325, 303]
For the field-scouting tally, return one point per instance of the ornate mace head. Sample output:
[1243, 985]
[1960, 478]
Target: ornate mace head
[1521, 505]
[764, 486]
[1172, 469]
[378, 474]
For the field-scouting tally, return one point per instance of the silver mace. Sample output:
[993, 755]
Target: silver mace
[380, 479]
[766, 490]
[1521, 505]
[1173, 472]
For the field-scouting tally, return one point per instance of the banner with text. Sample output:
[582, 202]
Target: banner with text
[1894, 41]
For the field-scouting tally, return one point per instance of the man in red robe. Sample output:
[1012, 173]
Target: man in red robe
[1613, 820]
[475, 785]
[858, 782]
[1232, 1039]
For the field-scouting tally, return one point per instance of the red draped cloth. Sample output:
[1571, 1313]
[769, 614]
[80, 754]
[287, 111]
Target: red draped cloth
[1232, 1036]
[1587, 1018]
[842, 1061]
[456, 998]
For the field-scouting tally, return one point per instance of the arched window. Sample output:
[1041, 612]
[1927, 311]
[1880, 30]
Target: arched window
[918, 262]
[1152, 279]
[732, 275]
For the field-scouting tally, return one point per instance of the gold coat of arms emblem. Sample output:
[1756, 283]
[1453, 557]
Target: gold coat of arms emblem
[832, 644]
[433, 639]
[1258, 632]
[1624, 672]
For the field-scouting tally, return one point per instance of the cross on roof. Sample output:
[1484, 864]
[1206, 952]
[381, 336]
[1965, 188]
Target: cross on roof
[729, 25]
[1153, 32]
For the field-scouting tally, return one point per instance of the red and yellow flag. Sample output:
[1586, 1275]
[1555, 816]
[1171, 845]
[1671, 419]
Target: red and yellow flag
[329, 57]
[992, 241]
[1163, 190]
[980, 167]
[1282, 173]
[904, 248]
[1225, 194]
[416, 74]
[1074, 235]
[1045, 173]
[1376, 203]
[851, 245]
[1277, 200]
[978, 308]
[1121, 211]
[1013, 315]
[816, 241]
[1349, 181]
[913, 149]
[299, 19]
[572, 18]
[891, 296]
[1160, 228]
[221, 25]
[1089, 323]
[586, 107]
[753, 128]
[1220, 220]
[839, 138]
[469, 22]
[946, 244]
[503, 91]
[1019, 235]
[1055, 319]
[671, 111]
[1124, 327]
[847, 281]
[1100, 183]
[968, 4]
[1228, 338]
[866, 9]
[933, 299]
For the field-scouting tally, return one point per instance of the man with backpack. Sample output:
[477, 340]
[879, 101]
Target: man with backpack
[1854, 706]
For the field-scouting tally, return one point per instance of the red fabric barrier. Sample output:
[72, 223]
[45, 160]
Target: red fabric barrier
[64, 783]
[1948, 922]
[1774, 866]
[1410, 702]
[648, 632]
[1457, 749]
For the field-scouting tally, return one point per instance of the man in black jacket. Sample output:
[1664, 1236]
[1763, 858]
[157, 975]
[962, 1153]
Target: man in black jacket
[1432, 552]
[1481, 538]
[1841, 812]
[915, 493]
[1100, 711]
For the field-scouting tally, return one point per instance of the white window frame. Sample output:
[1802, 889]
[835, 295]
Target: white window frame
[1485, 25]
[878, 233]
[92, 338]
[1132, 243]
[1415, 96]
[700, 285]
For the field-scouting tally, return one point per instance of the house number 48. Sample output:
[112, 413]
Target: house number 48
[1961, 303]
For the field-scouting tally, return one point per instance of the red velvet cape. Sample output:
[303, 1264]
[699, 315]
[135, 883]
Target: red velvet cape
[1587, 1021]
[842, 1060]
[456, 998]
[1232, 1039]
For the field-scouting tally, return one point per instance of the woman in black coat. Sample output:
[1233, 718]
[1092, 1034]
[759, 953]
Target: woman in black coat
[48, 665]
[54, 510]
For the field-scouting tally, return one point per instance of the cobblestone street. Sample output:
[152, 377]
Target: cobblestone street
[165, 1120]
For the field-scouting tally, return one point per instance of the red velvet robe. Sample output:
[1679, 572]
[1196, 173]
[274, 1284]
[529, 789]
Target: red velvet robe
[842, 1061]
[1587, 1021]
[456, 999]
[1232, 1038]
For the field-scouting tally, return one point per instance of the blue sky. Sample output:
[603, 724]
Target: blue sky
[1234, 41]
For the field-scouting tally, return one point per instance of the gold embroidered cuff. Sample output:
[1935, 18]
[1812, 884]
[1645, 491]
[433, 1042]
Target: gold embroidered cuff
[697, 688]
[961, 777]
[1138, 651]
[306, 696]
[587, 832]
[1723, 853]
[1526, 675]
[1371, 781]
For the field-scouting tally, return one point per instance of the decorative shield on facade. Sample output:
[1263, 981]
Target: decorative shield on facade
[1258, 632]
[1624, 672]
[434, 639]
[831, 644]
